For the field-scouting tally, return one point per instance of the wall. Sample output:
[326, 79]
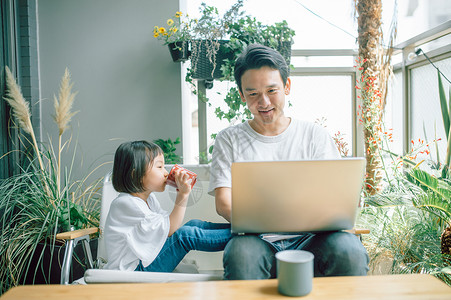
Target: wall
[128, 87]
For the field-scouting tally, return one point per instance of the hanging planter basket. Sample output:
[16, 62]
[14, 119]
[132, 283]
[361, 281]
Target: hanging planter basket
[205, 66]
[179, 51]
[285, 50]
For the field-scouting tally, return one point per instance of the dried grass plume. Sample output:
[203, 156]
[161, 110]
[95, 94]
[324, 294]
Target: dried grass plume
[63, 105]
[21, 111]
[20, 107]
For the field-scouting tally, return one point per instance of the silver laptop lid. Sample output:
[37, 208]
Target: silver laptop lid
[296, 196]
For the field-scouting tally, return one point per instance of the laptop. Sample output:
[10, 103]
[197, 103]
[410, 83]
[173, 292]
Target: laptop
[296, 196]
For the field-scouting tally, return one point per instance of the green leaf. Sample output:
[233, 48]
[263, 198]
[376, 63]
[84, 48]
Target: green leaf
[430, 183]
[443, 104]
[168, 147]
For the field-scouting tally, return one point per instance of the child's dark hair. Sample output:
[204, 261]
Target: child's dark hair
[256, 56]
[130, 164]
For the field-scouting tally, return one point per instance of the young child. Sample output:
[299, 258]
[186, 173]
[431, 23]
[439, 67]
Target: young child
[139, 235]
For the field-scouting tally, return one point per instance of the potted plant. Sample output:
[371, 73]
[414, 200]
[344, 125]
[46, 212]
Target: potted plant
[42, 200]
[410, 218]
[215, 40]
[209, 38]
[203, 36]
[176, 34]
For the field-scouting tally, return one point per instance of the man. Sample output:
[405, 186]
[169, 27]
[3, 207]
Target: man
[261, 74]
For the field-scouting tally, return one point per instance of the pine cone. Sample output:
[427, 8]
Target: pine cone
[446, 241]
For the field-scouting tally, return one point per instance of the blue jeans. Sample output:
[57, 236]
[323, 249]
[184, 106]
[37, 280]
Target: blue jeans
[336, 254]
[194, 235]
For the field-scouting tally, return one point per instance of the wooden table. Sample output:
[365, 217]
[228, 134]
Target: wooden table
[384, 287]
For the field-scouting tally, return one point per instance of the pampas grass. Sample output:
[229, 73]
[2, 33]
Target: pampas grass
[21, 112]
[63, 115]
[20, 107]
[40, 202]
[63, 105]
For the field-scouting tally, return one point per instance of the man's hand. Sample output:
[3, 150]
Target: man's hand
[223, 198]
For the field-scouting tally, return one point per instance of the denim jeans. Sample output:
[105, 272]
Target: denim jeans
[336, 254]
[194, 235]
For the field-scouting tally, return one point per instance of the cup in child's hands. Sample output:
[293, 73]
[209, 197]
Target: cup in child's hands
[171, 178]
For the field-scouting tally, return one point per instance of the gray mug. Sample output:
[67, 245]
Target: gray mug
[295, 272]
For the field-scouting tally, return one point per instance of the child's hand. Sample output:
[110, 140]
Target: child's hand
[183, 182]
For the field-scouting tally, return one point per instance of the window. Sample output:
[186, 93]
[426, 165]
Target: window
[326, 100]
[324, 84]
[426, 117]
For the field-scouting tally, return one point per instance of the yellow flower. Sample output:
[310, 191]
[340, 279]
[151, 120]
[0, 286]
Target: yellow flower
[162, 30]
[174, 29]
[155, 34]
[170, 22]
[178, 14]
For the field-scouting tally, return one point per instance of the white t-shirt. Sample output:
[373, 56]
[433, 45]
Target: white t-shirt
[134, 231]
[300, 141]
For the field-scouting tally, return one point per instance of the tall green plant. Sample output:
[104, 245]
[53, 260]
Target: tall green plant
[444, 105]
[43, 199]
[403, 238]
[411, 217]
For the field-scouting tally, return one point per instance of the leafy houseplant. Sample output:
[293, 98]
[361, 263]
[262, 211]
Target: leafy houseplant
[208, 40]
[168, 147]
[42, 200]
[410, 219]
[221, 38]
[176, 35]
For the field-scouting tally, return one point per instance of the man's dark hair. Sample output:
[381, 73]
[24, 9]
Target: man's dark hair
[256, 56]
[131, 161]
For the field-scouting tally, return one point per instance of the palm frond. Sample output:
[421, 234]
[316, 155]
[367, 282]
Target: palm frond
[430, 183]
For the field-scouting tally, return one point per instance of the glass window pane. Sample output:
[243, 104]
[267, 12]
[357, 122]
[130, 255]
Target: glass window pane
[393, 116]
[324, 99]
[426, 116]
[312, 20]
[216, 97]
[322, 61]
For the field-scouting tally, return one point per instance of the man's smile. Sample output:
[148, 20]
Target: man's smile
[265, 110]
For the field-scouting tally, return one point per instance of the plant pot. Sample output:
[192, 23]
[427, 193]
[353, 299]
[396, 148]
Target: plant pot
[48, 269]
[204, 69]
[179, 51]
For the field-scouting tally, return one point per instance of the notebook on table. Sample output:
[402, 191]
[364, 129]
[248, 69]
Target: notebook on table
[296, 196]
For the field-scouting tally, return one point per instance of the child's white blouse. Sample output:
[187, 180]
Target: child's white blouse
[134, 231]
